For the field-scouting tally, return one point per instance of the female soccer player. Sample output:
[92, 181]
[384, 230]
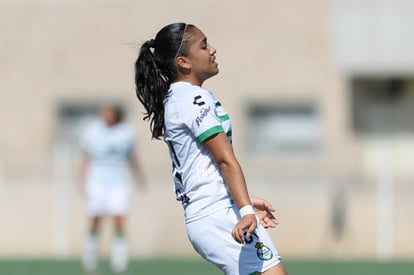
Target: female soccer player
[108, 149]
[169, 73]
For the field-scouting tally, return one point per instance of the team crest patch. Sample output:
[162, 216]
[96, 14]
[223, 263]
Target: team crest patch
[263, 252]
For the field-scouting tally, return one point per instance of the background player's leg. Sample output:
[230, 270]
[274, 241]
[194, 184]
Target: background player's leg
[91, 246]
[119, 253]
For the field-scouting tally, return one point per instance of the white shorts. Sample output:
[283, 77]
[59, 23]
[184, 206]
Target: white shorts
[211, 238]
[107, 199]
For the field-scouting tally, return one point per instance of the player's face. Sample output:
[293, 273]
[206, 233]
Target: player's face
[108, 115]
[201, 56]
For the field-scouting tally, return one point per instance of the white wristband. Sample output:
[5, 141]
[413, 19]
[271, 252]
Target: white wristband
[246, 210]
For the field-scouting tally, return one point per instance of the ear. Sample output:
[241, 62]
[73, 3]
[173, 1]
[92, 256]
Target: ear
[183, 62]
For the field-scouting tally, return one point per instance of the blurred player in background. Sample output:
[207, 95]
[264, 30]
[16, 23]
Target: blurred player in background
[108, 150]
[209, 181]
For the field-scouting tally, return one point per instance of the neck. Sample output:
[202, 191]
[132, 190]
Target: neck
[188, 78]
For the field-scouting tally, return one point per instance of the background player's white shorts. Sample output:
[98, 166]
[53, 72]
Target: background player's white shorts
[211, 238]
[107, 199]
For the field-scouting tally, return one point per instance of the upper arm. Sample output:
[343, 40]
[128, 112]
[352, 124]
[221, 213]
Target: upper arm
[220, 148]
[86, 158]
[132, 158]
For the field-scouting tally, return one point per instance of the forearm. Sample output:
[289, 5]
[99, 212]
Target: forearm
[136, 170]
[82, 172]
[222, 152]
[236, 183]
[84, 166]
[233, 175]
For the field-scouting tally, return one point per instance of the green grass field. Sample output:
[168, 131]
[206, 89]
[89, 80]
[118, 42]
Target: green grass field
[190, 267]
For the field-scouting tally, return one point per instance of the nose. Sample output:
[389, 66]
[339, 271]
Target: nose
[212, 50]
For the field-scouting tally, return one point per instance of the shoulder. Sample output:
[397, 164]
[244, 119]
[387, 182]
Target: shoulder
[125, 129]
[187, 101]
[184, 90]
[89, 135]
[197, 97]
[94, 129]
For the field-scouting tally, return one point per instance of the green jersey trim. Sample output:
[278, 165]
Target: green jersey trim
[224, 118]
[212, 131]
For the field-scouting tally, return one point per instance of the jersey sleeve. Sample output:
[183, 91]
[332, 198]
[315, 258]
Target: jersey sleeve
[202, 118]
[86, 140]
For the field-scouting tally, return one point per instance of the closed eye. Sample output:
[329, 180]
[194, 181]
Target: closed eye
[204, 43]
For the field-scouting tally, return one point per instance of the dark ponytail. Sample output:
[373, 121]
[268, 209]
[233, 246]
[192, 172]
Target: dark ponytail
[155, 69]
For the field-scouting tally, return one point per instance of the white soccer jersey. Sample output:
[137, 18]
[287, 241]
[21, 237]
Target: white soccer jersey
[192, 115]
[109, 148]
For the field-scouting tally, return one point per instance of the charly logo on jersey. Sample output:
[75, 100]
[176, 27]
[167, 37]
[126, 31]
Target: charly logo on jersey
[197, 101]
[263, 252]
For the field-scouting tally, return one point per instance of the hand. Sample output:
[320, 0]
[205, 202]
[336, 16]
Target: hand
[248, 222]
[264, 212]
